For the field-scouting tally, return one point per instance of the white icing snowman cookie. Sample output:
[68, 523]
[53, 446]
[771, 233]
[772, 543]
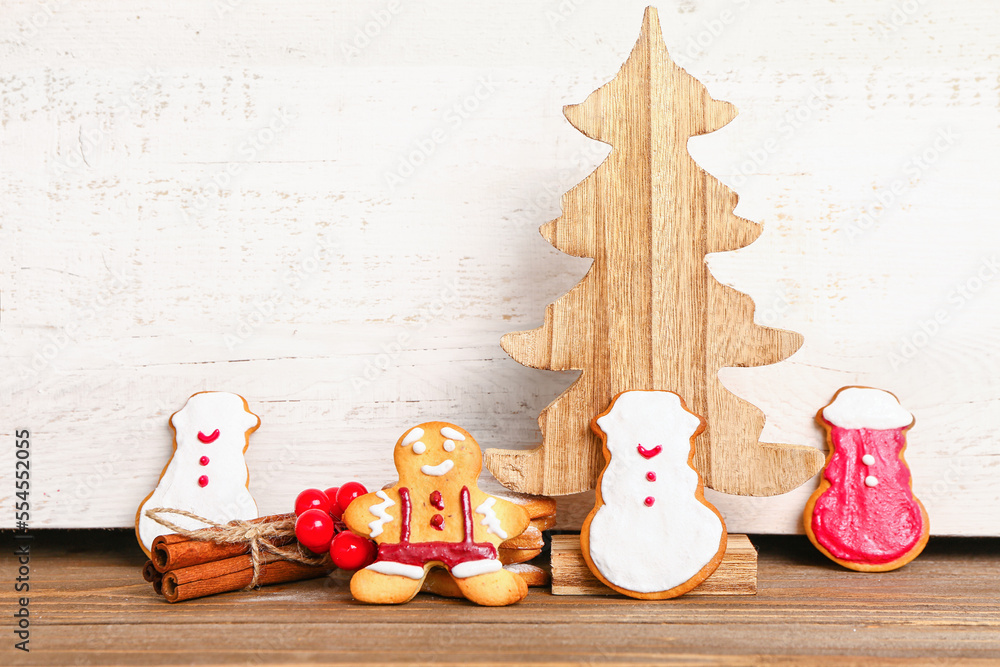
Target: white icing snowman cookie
[651, 535]
[207, 474]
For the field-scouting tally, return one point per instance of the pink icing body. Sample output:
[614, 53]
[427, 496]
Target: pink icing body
[861, 523]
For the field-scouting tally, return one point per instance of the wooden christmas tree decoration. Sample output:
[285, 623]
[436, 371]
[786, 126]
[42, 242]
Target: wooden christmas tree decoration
[649, 314]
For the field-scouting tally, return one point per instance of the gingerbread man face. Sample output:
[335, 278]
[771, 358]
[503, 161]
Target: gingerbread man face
[436, 452]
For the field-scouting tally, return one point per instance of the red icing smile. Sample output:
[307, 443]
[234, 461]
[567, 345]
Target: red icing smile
[861, 523]
[649, 453]
[208, 438]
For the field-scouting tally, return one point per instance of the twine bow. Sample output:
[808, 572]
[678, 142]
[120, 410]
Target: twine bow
[257, 536]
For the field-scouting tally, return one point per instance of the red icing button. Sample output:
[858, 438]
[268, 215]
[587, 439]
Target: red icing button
[203, 481]
[436, 500]
[437, 521]
[651, 476]
[203, 460]
[649, 501]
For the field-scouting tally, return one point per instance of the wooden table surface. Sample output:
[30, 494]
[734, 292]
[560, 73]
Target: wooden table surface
[90, 606]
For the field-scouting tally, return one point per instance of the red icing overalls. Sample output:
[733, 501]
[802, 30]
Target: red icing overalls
[449, 554]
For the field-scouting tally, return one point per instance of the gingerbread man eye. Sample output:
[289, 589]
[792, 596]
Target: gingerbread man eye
[413, 438]
[452, 434]
[449, 445]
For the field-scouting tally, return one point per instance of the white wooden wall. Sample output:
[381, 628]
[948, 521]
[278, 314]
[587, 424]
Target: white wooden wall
[262, 198]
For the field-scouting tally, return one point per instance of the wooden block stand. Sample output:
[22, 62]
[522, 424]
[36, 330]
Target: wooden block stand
[736, 575]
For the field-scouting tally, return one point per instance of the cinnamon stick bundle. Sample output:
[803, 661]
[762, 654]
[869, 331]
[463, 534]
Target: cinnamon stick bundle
[174, 551]
[212, 560]
[233, 574]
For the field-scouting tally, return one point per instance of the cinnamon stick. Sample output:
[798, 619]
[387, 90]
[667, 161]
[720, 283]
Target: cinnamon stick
[153, 576]
[173, 552]
[233, 574]
[150, 573]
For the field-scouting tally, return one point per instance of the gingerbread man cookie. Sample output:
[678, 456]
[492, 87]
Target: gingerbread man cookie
[207, 474]
[436, 516]
[864, 515]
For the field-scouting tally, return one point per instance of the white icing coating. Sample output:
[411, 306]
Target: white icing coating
[871, 480]
[419, 447]
[526, 568]
[387, 567]
[452, 434]
[440, 469]
[531, 531]
[449, 445]
[514, 497]
[380, 511]
[650, 549]
[411, 437]
[864, 407]
[474, 567]
[226, 496]
[490, 519]
[868, 459]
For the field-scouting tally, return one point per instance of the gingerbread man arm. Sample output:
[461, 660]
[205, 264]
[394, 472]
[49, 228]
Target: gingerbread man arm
[514, 519]
[496, 519]
[376, 515]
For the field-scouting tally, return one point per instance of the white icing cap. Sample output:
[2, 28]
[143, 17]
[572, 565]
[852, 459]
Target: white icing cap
[640, 413]
[208, 410]
[864, 407]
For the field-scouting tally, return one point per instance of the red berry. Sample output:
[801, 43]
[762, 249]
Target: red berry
[312, 499]
[349, 492]
[336, 511]
[352, 552]
[314, 530]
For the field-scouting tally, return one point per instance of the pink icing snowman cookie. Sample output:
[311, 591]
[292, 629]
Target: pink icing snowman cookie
[651, 535]
[864, 515]
[207, 474]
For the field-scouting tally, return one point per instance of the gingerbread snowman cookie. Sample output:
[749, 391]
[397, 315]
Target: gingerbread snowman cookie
[436, 516]
[651, 535]
[207, 474]
[864, 515]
